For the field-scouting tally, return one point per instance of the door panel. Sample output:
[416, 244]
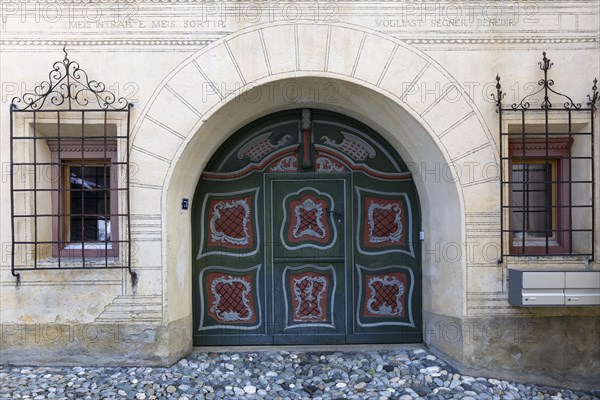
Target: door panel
[229, 274]
[309, 271]
[386, 294]
[308, 217]
[309, 303]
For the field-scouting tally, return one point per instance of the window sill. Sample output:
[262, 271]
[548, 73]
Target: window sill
[92, 262]
[89, 246]
[535, 243]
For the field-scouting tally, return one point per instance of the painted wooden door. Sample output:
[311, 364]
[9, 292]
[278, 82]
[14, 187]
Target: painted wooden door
[306, 229]
[307, 256]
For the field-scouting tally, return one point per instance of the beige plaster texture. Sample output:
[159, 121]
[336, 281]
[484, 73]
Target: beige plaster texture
[426, 89]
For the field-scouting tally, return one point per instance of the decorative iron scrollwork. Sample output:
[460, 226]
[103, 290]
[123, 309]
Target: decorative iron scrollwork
[499, 95]
[68, 85]
[68, 89]
[537, 133]
[545, 87]
[594, 97]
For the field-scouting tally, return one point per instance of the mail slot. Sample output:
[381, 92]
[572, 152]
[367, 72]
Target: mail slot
[570, 288]
[543, 297]
[582, 297]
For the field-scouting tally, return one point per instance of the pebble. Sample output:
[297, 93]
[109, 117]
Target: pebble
[276, 375]
[250, 389]
[171, 389]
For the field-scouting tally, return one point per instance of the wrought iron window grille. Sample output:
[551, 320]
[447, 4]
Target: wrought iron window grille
[547, 172]
[69, 175]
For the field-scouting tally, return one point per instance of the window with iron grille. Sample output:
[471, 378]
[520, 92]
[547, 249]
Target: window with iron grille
[547, 173]
[539, 196]
[70, 175]
[86, 198]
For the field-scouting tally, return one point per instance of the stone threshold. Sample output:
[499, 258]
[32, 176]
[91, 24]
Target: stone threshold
[308, 348]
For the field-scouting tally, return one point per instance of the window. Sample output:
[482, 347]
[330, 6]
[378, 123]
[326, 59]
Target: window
[70, 191]
[539, 195]
[547, 172]
[85, 205]
[69, 175]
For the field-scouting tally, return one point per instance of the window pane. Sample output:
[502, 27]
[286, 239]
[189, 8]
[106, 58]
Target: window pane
[89, 203]
[532, 196]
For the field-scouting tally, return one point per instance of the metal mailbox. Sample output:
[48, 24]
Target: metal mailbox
[572, 288]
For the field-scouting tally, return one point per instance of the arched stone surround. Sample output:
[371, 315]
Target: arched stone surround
[368, 76]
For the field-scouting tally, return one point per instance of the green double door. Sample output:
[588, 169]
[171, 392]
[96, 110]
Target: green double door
[304, 236]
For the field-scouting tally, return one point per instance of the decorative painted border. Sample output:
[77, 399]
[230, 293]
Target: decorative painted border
[257, 267]
[359, 269]
[353, 166]
[254, 193]
[328, 217]
[266, 131]
[366, 138]
[285, 297]
[350, 144]
[360, 228]
[250, 167]
[288, 163]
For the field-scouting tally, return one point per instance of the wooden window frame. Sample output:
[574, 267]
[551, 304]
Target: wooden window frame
[94, 151]
[554, 151]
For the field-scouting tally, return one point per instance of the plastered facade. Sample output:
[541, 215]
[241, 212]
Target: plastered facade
[419, 73]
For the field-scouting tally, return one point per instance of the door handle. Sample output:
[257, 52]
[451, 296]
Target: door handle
[334, 213]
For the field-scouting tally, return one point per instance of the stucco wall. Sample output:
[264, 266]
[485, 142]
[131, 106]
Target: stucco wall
[419, 76]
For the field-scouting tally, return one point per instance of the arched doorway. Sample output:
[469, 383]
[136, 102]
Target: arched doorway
[306, 230]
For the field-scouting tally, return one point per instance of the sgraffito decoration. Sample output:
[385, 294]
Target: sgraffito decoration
[230, 224]
[229, 298]
[385, 296]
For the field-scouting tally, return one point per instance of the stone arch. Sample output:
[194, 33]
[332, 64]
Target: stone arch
[355, 71]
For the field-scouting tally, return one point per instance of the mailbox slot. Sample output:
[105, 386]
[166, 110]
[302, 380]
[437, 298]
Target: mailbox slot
[543, 297]
[582, 297]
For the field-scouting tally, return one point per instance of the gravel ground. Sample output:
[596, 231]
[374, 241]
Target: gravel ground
[274, 375]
